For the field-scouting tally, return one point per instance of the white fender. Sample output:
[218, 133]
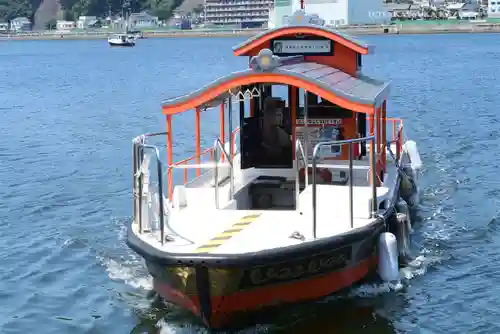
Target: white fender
[388, 267]
[411, 148]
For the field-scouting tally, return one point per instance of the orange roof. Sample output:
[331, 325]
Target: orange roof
[300, 23]
[359, 94]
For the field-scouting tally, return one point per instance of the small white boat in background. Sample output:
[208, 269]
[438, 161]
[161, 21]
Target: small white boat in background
[121, 40]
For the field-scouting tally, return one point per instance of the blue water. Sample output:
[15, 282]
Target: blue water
[69, 110]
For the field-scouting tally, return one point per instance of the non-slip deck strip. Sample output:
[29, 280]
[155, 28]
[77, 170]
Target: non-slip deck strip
[225, 235]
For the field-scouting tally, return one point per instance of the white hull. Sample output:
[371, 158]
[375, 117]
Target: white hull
[119, 42]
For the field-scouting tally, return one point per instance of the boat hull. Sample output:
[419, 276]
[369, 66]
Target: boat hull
[125, 44]
[224, 290]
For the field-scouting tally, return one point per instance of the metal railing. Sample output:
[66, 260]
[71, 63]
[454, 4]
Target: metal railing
[141, 177]
[299, 150]
[373, 158]
[219, 152]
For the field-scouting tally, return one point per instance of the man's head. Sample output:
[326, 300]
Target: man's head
[273, 111]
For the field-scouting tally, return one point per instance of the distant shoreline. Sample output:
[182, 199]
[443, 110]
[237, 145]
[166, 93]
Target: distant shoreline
[402, 29]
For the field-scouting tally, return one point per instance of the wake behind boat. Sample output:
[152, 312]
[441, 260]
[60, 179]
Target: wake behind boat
[298, 201]
[121, 40]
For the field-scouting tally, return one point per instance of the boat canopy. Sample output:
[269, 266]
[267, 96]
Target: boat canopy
[256, 42]
[357, 93]
[301, 25]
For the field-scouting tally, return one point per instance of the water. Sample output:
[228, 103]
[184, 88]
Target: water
[70, 108]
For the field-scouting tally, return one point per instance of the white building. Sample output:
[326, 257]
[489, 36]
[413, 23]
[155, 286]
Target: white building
[65, 25]
[85, 22]
[494, 8]
[4, 27]
[336, 12]
[142, 20]
[20, 24]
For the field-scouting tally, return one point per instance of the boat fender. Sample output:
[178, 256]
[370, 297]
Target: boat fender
[414, 199]
[407, 186]
[403, 235]
[410, 147]
[388, 267]
[323, 173]
[402, 207]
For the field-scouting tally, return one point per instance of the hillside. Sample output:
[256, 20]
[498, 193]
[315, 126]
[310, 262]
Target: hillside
[72, 9]
[10, 9]
[46, 12]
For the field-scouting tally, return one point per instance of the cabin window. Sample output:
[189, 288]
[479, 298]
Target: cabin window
[359, 59]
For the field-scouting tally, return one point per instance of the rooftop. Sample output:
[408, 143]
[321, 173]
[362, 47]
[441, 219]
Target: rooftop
[359, 93]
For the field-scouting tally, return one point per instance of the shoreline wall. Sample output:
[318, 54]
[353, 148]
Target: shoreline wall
[357, 30]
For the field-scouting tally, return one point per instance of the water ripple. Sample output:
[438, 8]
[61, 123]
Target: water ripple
[71, 109]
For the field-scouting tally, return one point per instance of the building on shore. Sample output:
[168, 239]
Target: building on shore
[20, 24]
[63, 25]
[335, 12]
[85, 22]
[494, 9]
[142, 20]
[403, 10]
[238, 13]
[4, 27]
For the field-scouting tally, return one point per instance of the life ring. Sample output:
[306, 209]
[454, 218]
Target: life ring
[323, 173]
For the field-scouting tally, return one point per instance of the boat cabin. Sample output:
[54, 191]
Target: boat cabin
[301, 124]
[296, 189]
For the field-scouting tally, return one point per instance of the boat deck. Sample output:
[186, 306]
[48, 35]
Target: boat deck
[195, 226]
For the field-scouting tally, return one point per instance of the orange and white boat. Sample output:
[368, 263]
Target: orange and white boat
[252, 229]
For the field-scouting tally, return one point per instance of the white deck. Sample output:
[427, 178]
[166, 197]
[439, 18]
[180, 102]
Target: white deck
[194, 219]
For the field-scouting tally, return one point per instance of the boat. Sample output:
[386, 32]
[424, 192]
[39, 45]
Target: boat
[121, 40]
[302, 194]
[137, 34]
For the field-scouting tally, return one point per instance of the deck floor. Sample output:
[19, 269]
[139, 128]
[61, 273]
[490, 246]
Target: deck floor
[199, 222]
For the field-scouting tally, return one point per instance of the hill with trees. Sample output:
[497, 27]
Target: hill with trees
[72, 9]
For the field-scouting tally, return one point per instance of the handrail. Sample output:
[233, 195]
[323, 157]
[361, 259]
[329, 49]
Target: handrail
[219, 146]
[142, 147]
[300, 149]
[316, 152]
[185, 161]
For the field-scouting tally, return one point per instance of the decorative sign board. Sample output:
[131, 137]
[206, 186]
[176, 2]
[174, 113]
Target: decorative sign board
[321, 130]
[289, 47]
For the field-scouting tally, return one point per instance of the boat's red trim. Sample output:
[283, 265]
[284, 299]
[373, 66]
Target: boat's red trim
[212, 92]
[247, 48]
[223, 307]
[176, 297]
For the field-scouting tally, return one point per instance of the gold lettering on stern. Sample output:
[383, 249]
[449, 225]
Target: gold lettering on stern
[265, 274]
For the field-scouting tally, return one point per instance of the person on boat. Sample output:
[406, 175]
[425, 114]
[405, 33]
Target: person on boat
[275, 142]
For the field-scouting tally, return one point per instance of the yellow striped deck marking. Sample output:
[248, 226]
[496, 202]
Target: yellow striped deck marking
[225, 235]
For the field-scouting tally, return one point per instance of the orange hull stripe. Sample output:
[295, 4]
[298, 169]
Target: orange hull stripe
[297, 291]
[176, 297]
[252, 300]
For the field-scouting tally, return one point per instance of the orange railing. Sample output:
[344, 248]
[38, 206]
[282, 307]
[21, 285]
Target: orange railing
[397, 134]
[185, 161]
[209, 151]
[397, 138]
